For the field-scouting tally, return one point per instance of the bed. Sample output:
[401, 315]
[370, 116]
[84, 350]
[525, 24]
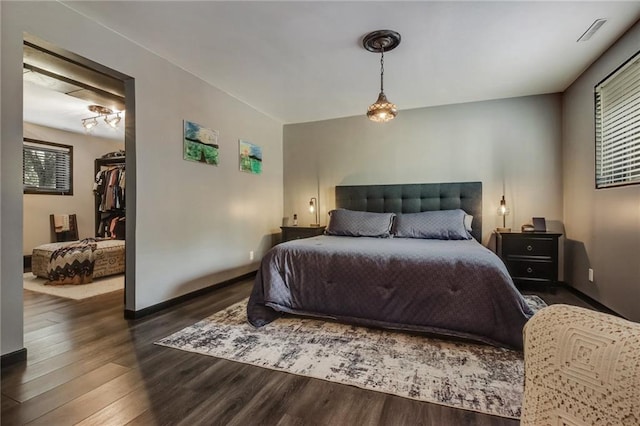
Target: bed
[109, 258]
[447, 284]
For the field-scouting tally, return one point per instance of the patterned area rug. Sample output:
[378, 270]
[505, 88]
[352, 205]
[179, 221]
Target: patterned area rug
[76, 292]
[454, 373]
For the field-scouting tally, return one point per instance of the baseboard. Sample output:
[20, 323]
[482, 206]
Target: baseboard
[132, 315]
[26, 264]
[591, 301]
[13, 357]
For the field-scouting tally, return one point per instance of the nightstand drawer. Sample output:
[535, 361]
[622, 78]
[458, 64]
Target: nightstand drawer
[534, 246]
[532, 269]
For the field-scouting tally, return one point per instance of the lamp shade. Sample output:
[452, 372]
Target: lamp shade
[313, 208]
[503, 211]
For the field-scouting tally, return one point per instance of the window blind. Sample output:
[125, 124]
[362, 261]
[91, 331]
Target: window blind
[617, 107]
[47, 168]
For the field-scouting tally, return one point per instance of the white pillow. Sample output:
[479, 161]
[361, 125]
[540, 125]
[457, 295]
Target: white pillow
[468, 219]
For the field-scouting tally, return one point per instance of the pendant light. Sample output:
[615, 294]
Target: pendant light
[379, 42]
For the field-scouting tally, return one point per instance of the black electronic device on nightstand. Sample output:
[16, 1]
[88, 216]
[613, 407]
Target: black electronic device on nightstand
[297, 232]
[531, 257]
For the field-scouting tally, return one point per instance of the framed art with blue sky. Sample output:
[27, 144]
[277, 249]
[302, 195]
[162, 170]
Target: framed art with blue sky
[250, 157]
[200, 143]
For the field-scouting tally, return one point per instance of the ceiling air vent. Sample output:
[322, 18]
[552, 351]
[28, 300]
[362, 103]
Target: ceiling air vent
[592, 29]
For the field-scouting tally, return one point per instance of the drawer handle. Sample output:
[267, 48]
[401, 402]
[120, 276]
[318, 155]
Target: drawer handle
[529, 248]
[529, 269]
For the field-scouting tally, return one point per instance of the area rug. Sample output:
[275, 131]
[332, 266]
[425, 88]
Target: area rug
[458, 374]
[77, 292]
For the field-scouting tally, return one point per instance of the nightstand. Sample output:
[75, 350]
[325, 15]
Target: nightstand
[297, 232]
[530, 257]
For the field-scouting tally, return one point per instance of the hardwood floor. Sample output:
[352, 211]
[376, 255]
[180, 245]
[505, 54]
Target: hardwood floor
[87, 365]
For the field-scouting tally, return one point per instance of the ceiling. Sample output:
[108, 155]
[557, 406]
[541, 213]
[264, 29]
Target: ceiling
[303, 61]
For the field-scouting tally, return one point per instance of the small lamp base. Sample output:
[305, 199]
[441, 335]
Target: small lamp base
[503, 229]
[314, 225]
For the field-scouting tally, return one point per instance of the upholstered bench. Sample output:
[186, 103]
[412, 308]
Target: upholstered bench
[108, 257]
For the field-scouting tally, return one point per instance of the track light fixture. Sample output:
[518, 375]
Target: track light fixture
[110, 117]
[89, 123]
[113, 121]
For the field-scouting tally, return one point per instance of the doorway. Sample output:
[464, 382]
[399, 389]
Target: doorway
[79, 143]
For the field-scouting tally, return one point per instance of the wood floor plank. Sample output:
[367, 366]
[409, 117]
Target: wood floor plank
[121, 412]
[63, 394]
[406, 411]
[355, 406]
[138, 400]
[98, 351]
[271, 402]
[25, 391]
[326, 402]
[227, 394]
[60, 329]
[288, 420]
[34, 326]
[170, 400]
[48, 366]
[147, 418]
[8, 403]
[92, 401]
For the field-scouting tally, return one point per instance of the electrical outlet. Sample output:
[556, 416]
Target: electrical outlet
[251, 255]
[590, 275]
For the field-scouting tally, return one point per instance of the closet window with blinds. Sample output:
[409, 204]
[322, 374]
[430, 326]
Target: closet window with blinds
[617, 101]
[47, 168]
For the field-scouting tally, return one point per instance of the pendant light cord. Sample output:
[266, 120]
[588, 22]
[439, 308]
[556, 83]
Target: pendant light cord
[382, 70]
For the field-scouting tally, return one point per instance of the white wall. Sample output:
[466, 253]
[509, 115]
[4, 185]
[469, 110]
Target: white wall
[195, 223]
[603, 226]
[38, 207]
[513, 143]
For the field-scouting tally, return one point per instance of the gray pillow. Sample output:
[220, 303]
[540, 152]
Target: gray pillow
[437, 224]
[359, 224]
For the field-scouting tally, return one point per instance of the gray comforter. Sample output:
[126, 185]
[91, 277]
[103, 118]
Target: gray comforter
[454, 288]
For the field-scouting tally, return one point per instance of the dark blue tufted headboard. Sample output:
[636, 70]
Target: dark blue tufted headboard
[415, 197]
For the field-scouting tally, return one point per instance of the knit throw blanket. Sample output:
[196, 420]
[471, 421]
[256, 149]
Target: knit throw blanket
[73, 264]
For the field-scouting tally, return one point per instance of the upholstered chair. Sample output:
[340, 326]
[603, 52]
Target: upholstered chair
[581, 368]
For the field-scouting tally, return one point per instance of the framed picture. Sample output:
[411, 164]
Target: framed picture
[200, 143]
[250, 157]
[539, 224]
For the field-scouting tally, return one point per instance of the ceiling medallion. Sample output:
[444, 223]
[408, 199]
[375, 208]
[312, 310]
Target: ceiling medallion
[99, 109]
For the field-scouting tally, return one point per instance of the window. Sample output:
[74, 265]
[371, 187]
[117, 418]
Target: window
[47, 168]
[617, 101]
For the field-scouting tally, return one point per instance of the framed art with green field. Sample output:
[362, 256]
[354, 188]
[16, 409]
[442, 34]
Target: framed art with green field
[250, 157]
[200, 144]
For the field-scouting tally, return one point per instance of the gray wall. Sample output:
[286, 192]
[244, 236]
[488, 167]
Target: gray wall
[12, 341]
[603, 226]
[38, 207]
[195, 223]
[513, 144]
